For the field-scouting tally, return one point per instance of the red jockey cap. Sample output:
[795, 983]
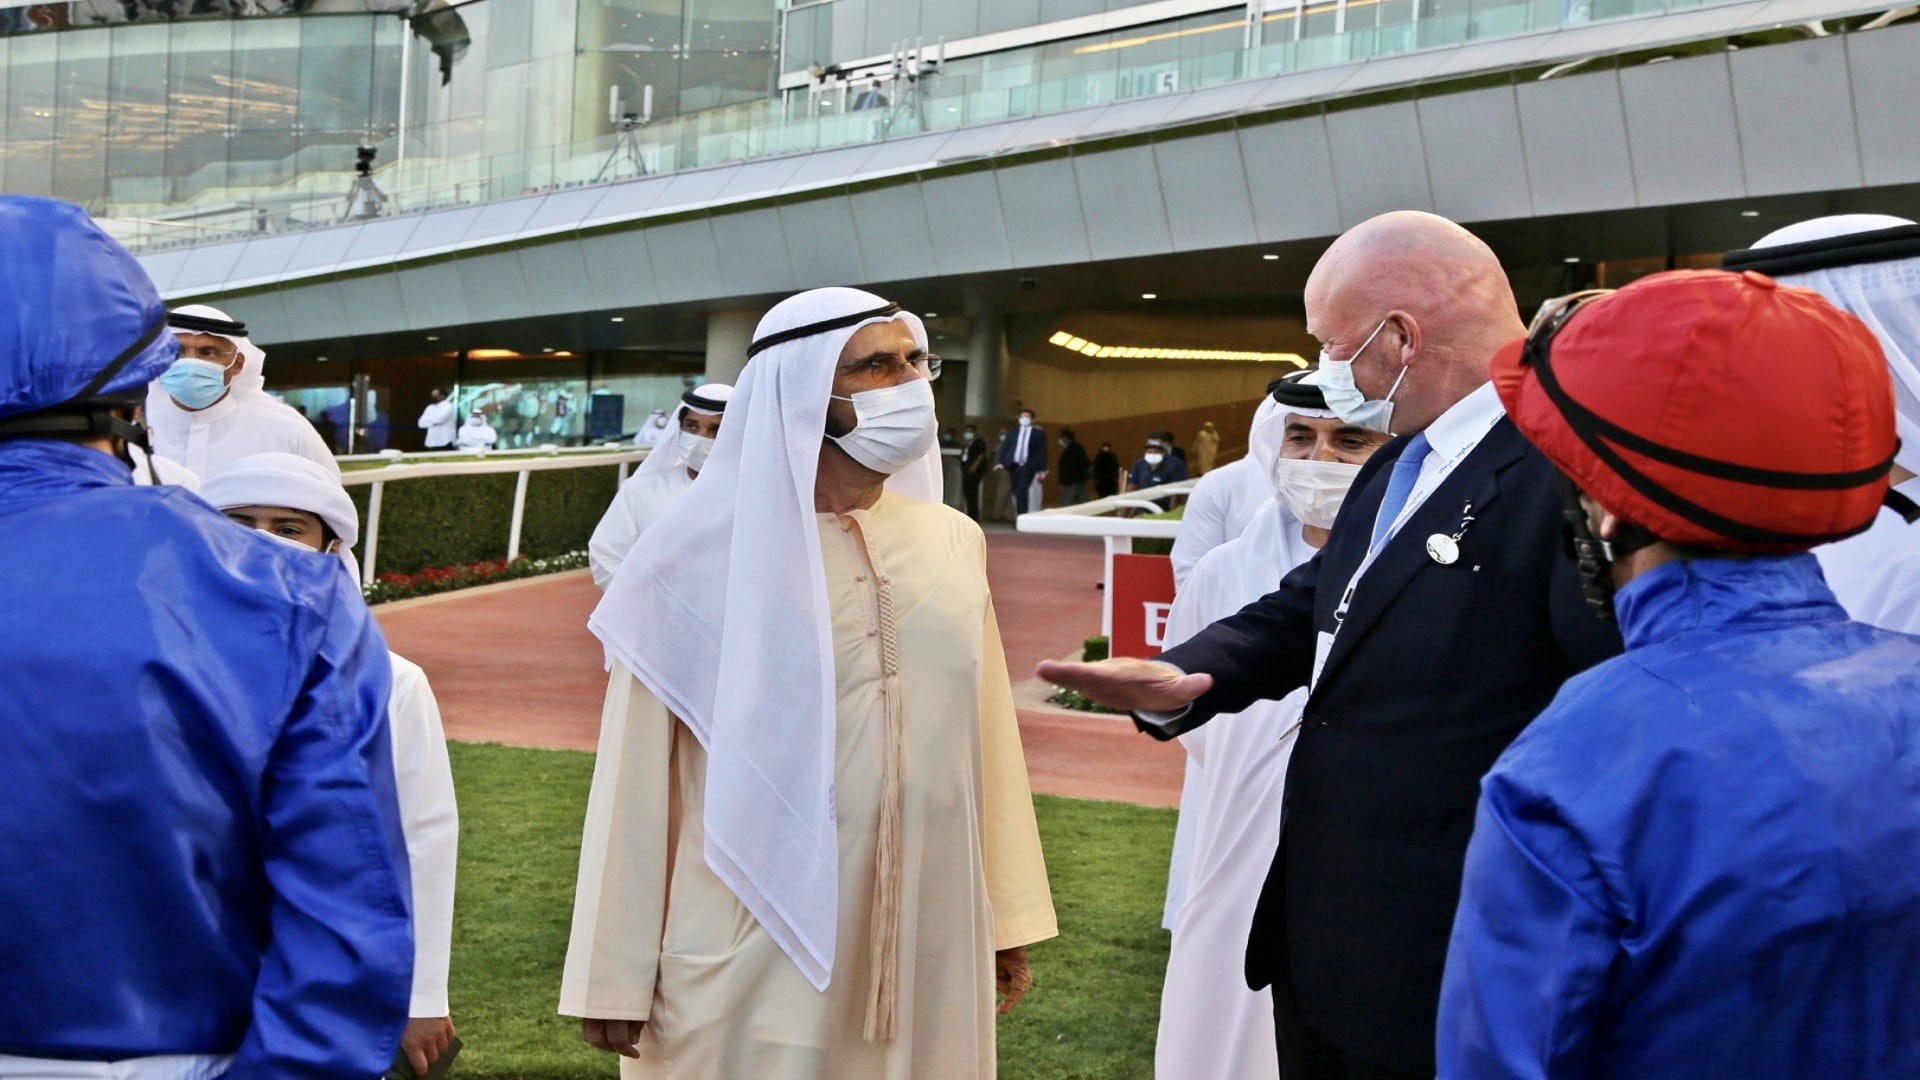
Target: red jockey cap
[1719, 410]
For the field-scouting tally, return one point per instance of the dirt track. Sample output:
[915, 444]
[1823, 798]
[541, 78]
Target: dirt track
[514, 664]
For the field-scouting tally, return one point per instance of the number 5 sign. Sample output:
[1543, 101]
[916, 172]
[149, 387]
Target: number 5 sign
[1142, 596]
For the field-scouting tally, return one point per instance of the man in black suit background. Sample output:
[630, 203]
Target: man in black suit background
[1437, 621]
[1023, 454]
[973, 468]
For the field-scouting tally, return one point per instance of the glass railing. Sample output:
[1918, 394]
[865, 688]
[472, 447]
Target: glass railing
[760, 130]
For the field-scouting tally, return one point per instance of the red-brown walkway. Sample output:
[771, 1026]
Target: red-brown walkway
[514, 664]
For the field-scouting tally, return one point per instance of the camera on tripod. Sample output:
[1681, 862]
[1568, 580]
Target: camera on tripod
[364, 155]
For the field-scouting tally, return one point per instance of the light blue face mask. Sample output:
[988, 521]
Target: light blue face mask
[195, 384]
[1345, 397]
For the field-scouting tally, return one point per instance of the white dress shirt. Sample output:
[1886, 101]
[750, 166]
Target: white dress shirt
[1452, 436]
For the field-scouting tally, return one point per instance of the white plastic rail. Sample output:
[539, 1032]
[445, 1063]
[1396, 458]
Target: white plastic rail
[1091, 519]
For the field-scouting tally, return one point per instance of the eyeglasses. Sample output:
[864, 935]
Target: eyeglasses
[220, 356]
[887, 369]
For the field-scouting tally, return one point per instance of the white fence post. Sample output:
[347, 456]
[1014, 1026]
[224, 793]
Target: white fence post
[519, 512]
[373, 531]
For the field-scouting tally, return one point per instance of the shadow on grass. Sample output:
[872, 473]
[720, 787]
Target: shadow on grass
[1096, 995]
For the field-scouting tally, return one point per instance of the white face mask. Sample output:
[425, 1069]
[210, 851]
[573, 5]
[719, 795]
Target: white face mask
[1345, 397]
[893, 426]
[1153, 459]
[694, 450]
[1312, 490]
[1026, 421]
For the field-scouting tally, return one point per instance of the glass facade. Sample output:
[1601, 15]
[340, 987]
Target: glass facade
[180, 126]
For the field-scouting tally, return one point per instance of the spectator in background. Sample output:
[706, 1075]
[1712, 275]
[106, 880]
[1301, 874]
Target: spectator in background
[1074, 470]
[870, 98]
[998, 490]
[476, 433]
[1106, 472]
[668, 471]
[440, 420]
[974, 460]
[1173, 448]
[653, 429]
[1023, 455]
[1206, 447]
[1155, 467]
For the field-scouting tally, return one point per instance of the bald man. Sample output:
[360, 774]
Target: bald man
[1439, 618]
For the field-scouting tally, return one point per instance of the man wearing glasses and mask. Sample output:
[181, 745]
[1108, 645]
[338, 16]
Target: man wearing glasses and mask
[211, 408]
[810, 848]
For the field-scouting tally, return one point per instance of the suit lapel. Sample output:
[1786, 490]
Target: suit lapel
[1475, 480]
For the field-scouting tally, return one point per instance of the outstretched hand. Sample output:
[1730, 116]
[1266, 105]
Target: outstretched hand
[1128, 683]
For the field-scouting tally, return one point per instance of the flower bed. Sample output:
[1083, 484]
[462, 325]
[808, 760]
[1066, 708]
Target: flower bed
[438, 579]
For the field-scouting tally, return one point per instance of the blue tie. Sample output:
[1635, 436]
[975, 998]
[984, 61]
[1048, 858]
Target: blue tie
[1400, 485]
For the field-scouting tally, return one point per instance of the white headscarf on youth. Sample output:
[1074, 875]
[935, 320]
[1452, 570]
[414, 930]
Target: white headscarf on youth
[723, 615]
[281, 479]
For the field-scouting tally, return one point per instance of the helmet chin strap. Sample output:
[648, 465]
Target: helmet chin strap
[1593, 558]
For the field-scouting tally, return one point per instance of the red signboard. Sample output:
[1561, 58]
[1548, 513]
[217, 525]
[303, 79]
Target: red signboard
[1142, 595]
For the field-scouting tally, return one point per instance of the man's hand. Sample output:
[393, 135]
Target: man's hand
[1042, 477]
[614, 1036]
[1012, 976]
[1128, 683]
[425, 1039]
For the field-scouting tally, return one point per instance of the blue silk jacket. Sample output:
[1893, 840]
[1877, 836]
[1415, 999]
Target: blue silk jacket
[198, 830]
[1703, 859]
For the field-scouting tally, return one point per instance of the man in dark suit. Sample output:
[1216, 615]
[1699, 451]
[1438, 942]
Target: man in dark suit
[973, 467]
[1023, 454]
[1437, 621]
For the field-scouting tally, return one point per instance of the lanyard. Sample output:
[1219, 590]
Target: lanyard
[1415, 499]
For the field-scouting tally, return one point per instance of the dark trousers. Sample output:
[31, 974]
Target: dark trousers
[1305, 1055]
[1073, 494]
[970, 487]
[1022, 479]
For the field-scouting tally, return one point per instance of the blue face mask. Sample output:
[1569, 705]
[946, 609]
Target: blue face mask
[1345, 397]
[195, 384]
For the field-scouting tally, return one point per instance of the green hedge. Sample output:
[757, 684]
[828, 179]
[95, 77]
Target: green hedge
[448, 520]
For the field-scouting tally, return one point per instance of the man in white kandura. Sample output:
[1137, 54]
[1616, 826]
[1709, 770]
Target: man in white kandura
[1211, 1025]
[1222, 503]
[810, 850]
[300, 503]
[1868, 265]
[211, 408]
[667, 472]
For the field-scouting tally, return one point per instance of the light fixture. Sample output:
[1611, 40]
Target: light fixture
[1749, 213]
[1571, 259]
[618, 318]
[546, 348]
[433, 337]
[491, 354]
[1077, 344]
[1149, 296]
[1271, 258]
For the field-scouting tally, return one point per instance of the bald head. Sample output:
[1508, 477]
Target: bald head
[1443, 297]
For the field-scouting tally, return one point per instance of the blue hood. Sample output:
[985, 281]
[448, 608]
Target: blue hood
[72, 301]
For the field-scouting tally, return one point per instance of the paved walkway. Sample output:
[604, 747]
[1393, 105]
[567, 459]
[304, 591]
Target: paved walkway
[513, 663]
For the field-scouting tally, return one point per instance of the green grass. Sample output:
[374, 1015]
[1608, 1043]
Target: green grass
[1091, 1014]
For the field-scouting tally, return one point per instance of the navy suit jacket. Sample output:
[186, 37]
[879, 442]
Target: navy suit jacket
[1435, 670]
[1036, 451]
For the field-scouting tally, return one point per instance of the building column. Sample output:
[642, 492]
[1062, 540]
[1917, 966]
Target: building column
[987, 363]
[728, 335]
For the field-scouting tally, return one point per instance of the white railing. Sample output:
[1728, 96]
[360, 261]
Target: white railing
[1118, 534]
[522, 463]
[545, 449]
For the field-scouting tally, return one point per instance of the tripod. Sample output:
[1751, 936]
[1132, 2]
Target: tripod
[627, 145]
[365, 200]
